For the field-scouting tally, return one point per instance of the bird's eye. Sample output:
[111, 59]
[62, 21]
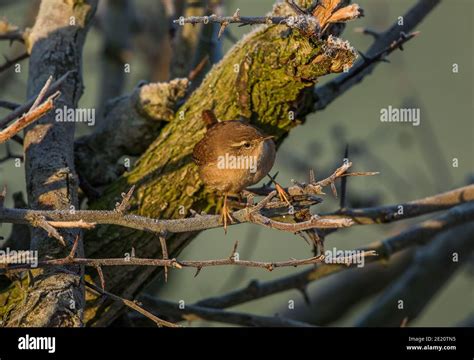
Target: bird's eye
[247, 145]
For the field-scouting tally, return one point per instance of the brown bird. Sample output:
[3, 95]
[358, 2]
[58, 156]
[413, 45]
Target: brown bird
[232, 156]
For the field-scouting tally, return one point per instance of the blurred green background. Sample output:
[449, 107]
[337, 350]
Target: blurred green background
[413, 161]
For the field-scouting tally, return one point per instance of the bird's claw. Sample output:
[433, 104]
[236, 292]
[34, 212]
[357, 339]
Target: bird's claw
[226, 215]
[282, 194]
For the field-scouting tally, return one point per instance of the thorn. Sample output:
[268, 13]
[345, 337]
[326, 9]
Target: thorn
[301, 234]
[75, 244]
[222, 29]
[236, 15]
[198, 270]
[342, 203]
[334, 190]
[101, 277]
[164, 252]
[296, 8]
[124, 205]
[234, 251]
[199, 68]
[367, 31]
[363, 56]
[272, 179]
[176, 264]
[312, 178]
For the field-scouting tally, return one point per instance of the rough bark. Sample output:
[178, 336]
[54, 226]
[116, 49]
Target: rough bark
[19, 238]
[129, 126]
[268, 75]
[55, 297]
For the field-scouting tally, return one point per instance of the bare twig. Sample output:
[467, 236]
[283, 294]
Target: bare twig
[132, 305]
[124, 205]
[314, 187]
[8, 105]
[390, 213]
[28, 118]
[250, 214]
[11, 32]
[9, 155]
[164, 250]
[368, 31]
[13, 36]
[10, 62]
[19, 111]
[193, 313]
[42, 93]
[325, 94]
[308, 23]
[359, 216]
[40, 221]
[173, 263]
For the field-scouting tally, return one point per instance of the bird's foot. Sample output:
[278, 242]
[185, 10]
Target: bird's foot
[282, 194]
[225, 215]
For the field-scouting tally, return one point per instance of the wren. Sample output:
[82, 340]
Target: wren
[232, 156]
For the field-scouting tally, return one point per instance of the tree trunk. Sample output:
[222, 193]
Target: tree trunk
[55, 297]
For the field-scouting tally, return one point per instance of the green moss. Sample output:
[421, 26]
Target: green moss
[11, 296]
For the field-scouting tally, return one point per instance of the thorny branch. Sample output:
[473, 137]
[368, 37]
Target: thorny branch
[193, 313]
[233, 259]
[251, 214]
[10, 62]
[132, 305]
[312, 24]
[11, 32]
[420, 234]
